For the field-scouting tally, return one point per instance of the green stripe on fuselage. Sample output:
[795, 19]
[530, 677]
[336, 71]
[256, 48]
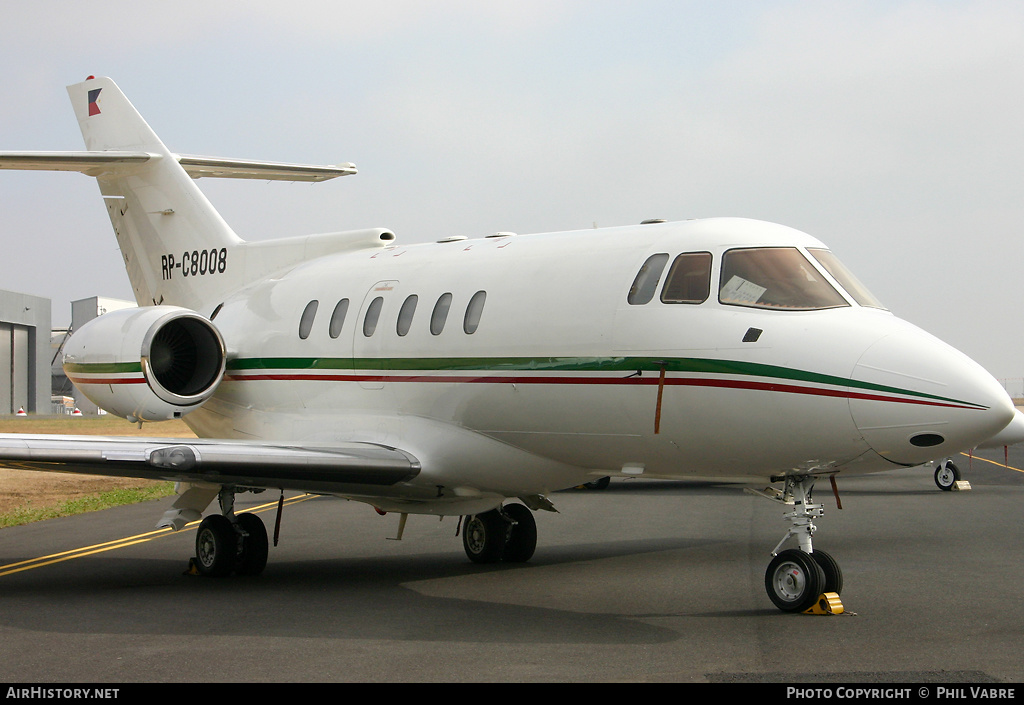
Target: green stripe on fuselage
[629, 365]
[106, 368]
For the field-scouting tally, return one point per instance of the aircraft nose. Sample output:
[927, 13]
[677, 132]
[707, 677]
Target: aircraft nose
[917, 399]
[1011, 435]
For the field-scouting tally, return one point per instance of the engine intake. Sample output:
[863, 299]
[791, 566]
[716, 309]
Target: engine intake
[147, 364]
[183, 359]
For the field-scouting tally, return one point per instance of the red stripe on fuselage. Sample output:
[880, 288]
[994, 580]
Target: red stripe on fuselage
[648, 381]
[108, 380]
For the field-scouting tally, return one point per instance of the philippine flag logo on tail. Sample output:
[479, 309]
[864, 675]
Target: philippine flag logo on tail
[94, 108]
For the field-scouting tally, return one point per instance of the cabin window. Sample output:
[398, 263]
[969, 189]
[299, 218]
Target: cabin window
[440, 314]
[845, 277]
[306, 320]
[775, 278]
[338, 318]
[646, 282]
[406, 313]
[689, 279]
[473, 312]
[372, 316]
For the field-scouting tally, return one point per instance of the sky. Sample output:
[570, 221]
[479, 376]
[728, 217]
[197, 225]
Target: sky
[890, 130]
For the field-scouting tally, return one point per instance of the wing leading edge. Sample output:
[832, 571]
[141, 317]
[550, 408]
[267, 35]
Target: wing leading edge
[328, 469]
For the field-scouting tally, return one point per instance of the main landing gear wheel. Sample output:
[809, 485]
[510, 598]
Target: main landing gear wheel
[223, 547]
[522, 535]
[216, 546]
[483, 536]
[794, 581]
[508, 534]
[947, 475]
[252, 555]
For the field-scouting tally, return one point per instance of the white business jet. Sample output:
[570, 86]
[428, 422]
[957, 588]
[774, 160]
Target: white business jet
[448, 378]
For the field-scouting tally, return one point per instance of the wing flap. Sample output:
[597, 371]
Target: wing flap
[224, 462]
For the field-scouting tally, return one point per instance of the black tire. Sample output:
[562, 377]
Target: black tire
[793, 581]
[484, 536]
[522, 538]
[833, 573]
[216, 546]
[946, 476]
[255, 547]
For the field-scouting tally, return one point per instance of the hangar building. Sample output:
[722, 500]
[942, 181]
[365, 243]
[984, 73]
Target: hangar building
[24, 353]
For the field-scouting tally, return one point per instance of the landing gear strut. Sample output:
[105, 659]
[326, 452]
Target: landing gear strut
[797, 577]
[507, 534]
[227, 543]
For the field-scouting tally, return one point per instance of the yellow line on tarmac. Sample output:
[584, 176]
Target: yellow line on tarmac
[1002, 465]
[124, 542]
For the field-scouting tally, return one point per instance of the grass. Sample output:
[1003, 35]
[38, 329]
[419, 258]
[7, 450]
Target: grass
[107, 425]
[88, 503]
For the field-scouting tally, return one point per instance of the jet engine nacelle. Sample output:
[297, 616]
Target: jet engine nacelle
[146, 364]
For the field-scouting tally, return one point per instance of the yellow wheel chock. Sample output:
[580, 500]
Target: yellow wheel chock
[828, 603]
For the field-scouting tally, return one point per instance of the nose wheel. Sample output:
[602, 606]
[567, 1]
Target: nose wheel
[946, 475]
[794, 580]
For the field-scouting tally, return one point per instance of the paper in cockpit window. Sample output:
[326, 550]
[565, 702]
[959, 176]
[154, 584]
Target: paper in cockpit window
[740, 291]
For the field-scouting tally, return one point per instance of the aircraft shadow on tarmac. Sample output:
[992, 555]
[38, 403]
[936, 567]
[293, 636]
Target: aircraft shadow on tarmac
[367, 597]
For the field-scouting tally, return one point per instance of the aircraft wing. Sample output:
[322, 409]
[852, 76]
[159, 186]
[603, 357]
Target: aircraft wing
[98, 163]
[326, 469]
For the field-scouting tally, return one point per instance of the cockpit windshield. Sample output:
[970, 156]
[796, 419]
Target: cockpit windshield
[775, 278]
[845, 278]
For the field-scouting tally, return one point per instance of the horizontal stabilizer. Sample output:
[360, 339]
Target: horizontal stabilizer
[100, 163]
[224, 462]
[272, 171]
[91, 163]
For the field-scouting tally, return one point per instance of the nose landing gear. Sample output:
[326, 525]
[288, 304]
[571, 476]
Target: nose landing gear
[798, 579]
[946, 475]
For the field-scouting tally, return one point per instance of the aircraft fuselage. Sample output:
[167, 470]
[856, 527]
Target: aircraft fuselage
[543, 358]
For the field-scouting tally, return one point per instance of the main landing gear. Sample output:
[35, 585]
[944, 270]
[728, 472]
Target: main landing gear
[798, 578]
[227, 543]
[508, 534]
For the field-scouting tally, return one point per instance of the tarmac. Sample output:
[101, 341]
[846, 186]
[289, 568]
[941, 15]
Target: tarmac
[646, 581]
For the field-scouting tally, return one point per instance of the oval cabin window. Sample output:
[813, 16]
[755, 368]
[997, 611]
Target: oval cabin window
[440, 314]
[306, 320]
[473, 312]
[338, 318]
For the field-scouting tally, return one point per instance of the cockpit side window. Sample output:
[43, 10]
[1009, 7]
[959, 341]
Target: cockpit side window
[775, 278]
[689, 279]
[845, 277]
[646, 282]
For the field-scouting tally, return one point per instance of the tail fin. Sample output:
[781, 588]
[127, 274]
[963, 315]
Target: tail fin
[175, 244]
[176, 247]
